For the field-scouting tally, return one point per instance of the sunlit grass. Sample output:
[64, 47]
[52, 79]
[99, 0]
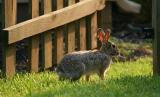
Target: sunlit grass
[129, 79]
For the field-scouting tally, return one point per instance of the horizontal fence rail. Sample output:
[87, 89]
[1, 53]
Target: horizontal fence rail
[55, 28]
[51, 20]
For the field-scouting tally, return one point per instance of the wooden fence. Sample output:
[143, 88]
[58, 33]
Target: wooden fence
[59, 25]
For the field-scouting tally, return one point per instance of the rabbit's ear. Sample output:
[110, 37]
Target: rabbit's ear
[101, 34]
[107, 36]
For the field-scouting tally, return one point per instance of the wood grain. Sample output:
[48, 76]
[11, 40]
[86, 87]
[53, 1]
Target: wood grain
[58, 42]
[47, 38]
[34, 46]
[71, 32]
[94, 31]
[9, 51]
[51, 20]
[83, 34]
[58, 45]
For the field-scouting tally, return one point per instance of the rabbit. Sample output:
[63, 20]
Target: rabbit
[74, 65]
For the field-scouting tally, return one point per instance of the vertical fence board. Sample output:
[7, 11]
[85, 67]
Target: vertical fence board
[34, 54]
[58, 43]
[47, 6]
[94, 30]
[82, 33]
[9, 52]
[10, 60]
[71, 37]
[60, 4]
[71, 32]
[34, 46]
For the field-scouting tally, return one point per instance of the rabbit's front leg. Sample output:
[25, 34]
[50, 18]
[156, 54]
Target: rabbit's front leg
[87, 77]
[61, 78]
[101, 75]
[101, 72]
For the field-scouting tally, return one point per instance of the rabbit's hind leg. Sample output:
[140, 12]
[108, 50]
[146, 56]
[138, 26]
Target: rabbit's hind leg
[61, 78]
[75, 79]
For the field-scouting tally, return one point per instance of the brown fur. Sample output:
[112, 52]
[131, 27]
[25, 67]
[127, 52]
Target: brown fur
[76, 64]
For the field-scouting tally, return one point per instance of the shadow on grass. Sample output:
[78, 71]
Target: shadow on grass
[138, 86]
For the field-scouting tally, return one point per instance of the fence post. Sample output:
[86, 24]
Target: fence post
[82, 34]
[58, 39]
[71, 32]
[94, 30]
[9, 51]
[47, 44]
[34, 42]
[156, 24]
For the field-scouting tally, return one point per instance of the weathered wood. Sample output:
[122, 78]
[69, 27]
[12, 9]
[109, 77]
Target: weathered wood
[82, 33]
[51, 20]
[58, 45]
[58, 39]
[10, 12]
[156, 24]
[47, 38]
[9, 52]
[47, 4]
[34, 4]
[34, 48]
[34, 42]
[71, 32]
[60, 4]
[71, 2]
[71, 37]
[94, 31]
[10, 66]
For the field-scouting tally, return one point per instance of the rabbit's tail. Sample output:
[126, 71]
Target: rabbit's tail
[52, 68]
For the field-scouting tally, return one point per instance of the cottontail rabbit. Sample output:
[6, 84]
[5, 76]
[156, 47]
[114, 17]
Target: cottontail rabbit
[76, 64]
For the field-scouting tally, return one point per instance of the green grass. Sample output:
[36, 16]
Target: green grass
[127, 47]
[129, 79]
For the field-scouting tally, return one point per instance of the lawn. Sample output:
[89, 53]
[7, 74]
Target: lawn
[129, 79]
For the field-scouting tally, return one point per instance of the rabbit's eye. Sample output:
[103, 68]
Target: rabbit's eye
[113, 46]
